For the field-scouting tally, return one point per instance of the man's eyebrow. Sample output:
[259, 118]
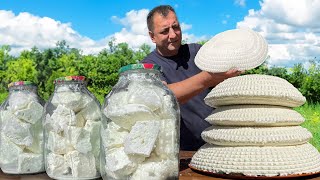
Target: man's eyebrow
[174, 24]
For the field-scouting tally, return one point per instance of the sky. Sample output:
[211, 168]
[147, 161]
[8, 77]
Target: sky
[291, 27]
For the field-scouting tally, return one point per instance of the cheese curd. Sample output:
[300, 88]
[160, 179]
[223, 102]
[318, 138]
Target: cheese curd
[72, 131]
[21, 138]
[140, 133]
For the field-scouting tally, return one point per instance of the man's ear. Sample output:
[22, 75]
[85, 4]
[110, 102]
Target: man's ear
[152, 36]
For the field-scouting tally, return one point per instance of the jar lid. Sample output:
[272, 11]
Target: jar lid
[20, 83]
[139, 66]
[69, 78]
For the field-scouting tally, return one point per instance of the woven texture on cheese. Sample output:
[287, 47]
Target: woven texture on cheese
[256, 136]
[242, 49]
[257, 161]
[255, 89]
[255, 115]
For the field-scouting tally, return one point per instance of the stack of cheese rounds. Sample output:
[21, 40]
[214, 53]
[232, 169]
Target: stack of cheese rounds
[255, 131]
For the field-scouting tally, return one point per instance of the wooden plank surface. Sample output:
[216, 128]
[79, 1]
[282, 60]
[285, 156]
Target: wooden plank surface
[185, 172]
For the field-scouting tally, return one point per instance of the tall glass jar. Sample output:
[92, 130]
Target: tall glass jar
[21, 138]
[140, 129]
[72, 131]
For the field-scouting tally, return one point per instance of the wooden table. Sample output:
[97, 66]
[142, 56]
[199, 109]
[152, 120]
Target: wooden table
[185, 172]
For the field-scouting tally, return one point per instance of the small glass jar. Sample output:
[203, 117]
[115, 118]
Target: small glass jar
[72, 131]
[140, 129]
[21, 139]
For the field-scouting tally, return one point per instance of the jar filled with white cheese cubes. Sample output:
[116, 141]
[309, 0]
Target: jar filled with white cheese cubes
[21, 138]
[140, 131]
[72, 123]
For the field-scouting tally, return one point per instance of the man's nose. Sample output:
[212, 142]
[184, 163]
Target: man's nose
[172, 34]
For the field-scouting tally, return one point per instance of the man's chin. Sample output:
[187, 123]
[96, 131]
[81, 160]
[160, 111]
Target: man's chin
[172, 47]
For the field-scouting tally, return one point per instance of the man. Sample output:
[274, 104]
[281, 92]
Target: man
[189, 84]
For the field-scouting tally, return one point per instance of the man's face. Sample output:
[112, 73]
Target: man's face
[166, 34]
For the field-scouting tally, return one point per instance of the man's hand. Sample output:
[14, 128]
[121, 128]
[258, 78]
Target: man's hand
[233, 73]
[216, 78]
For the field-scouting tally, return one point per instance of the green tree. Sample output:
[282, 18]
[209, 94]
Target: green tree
[297, 75]
[310, 87]
[143, 51]
[22, 69]
[262, 69]
[4, 58]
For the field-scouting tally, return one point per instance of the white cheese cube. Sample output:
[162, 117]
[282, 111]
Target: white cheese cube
[16, 130]
[82, 165]
[58, 144]
[166, 145]
[142, 138]
[146, 94]
[112, 175]
[20, 100]
[30, 163]
[157, 170]
[51, 125]
[62, 117]
[86, 100]
[121, 164]
[80, 121]
[91, 111]
[127, 115]
[79, 138]
[31, 114]
[93, 127]
[37, 143]
[116, 100]
[57, 165]
[168, 108]
[69, 99]
[6, 115]
[9, 151]
[113, 136]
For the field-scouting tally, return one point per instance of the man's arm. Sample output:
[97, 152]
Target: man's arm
[186, 89]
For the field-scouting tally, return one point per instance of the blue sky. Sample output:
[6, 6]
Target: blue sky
[291, 27]
[94, 18]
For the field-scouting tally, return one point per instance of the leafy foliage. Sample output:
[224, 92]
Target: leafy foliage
[43, 67]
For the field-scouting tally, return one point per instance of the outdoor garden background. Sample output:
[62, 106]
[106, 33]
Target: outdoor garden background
[101, 71]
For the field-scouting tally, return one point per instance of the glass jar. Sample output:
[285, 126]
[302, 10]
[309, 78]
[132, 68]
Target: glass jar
[72, 131]
[140, 129]
[21, 138]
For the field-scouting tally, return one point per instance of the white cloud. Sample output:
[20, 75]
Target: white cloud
[241, 3]
[135, 31]
[227, 17]
[23, 31]
[191, 38]
[135, 21]
[185, 27]
[290, 27]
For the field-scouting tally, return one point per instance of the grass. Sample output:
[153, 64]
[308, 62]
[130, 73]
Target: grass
[311, 113]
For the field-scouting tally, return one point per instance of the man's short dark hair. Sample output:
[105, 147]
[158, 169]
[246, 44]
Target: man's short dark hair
[162, 10]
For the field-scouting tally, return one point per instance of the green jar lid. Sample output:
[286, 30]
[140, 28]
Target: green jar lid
[69, 78]
[20, 83]
[139, 66]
